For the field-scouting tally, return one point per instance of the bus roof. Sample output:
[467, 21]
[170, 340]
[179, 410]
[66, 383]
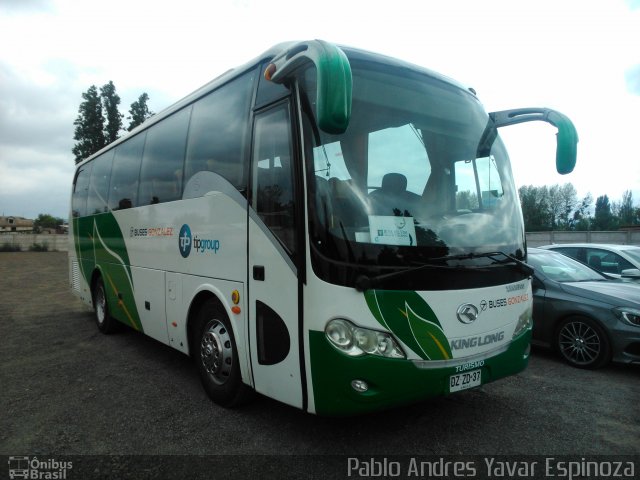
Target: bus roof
[352, 54]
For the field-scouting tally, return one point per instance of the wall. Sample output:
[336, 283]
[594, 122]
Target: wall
[26, 240]
[535, 239]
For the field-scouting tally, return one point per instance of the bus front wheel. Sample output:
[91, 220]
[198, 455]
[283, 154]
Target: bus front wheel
[216, 356]
[106, 323]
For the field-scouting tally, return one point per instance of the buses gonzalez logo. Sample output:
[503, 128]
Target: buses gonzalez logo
[200, 245]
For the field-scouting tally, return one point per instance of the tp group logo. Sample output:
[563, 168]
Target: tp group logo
[184, 241]
[200, 245]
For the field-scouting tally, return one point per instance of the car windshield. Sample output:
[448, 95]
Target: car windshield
[634, 253]
[561, 268]
[408, 182]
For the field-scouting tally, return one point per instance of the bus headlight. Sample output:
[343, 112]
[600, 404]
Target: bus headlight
[525, 321]
[356, 341]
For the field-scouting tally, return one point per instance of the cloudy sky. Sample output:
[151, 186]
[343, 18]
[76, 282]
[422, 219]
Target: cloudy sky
[581, 57]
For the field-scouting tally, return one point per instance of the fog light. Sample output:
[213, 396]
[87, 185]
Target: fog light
[527, 351]
[359, 386]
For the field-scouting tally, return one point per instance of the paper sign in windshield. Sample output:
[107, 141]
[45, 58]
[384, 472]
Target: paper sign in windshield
[387, 230]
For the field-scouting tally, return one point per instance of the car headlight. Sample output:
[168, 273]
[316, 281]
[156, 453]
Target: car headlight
[356, 341]
[525, 321]
[629, 315]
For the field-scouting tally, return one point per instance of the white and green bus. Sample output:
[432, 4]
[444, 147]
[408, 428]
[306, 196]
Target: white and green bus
[332, 228]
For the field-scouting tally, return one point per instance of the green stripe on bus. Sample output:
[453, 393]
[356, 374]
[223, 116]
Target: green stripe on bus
[411, 319]
[100, 244]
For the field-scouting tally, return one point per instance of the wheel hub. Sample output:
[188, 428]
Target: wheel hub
[578, 343]
[216, 352]
[100, 305]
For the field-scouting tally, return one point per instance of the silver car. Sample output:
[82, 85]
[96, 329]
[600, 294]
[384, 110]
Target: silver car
[617, 261]
[589, 319]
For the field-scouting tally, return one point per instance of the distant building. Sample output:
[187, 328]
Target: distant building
[15, 224]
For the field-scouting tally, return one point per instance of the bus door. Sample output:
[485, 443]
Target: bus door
[272, 271]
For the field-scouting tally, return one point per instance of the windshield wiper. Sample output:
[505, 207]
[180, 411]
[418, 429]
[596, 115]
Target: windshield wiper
[364, 282]
[507, 260]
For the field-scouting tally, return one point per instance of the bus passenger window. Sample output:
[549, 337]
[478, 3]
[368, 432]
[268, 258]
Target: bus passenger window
[217, 133]
[81, 185]
[124, 176]
[163, 159]
[99, 185]
[273, 196]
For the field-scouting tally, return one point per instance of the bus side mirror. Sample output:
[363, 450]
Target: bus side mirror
[333, 102]
[566, 138]
[566, 142]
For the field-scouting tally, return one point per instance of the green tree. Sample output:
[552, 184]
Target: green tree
[535, 208]
[603, 218]
[561, 202]
[562, 199]
[627, 212]
[89, 130]
[554, 205]
[466, 200]
[110, 102]
[45, 220]
[568, 203]
[581, 219]
[139, 112]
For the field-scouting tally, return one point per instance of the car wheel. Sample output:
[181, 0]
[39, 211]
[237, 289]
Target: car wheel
[583, 343]
[216, 356]
[106, 323]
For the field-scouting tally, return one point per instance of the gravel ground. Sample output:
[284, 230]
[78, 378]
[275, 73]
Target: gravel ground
[69, 390]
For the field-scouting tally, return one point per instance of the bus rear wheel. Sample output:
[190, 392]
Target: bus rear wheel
[106, 323]
[216, 356]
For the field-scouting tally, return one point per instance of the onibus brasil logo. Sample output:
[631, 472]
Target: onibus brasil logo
[200, 245]
[27, 467]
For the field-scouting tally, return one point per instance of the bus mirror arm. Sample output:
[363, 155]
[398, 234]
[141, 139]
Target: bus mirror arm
[566, 138]
[334, 82]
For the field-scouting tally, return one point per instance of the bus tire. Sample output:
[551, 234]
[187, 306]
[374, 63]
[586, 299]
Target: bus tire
[106, 323]
[216, 356]
[582, 343]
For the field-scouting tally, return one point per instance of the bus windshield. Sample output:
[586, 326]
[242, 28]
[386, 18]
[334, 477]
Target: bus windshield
[404, 184]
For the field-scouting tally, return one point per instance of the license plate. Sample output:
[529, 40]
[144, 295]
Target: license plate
[465, 380]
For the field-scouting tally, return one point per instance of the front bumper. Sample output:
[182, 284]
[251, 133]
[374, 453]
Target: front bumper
[393, 382]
